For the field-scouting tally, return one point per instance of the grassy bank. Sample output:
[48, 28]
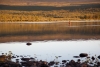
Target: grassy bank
[49, 13]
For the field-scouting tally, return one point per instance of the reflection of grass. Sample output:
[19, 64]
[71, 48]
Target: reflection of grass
[47, 37]
[36, 32]
[43, 29]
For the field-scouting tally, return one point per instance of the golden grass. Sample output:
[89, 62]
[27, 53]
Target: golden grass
[54, 15]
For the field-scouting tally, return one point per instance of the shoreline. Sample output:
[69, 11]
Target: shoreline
[55, 21]
[58, 37]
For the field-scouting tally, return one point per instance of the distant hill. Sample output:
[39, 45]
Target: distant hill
[64, 0]
[49, 0]
[32, 2]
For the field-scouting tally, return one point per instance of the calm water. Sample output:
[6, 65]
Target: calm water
[47, 50]
[42, 28]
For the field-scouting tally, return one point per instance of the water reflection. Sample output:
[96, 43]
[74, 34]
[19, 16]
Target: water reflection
[49, 30]
[48, 50]
[82, 26]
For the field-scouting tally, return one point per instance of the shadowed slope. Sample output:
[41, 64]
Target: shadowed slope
[47, 8]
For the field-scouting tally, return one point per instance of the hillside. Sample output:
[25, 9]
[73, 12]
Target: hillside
[49, 0]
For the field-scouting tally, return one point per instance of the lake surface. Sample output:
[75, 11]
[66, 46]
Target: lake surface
[43, 36]
[47, 50]
[29, 28]
[39, 31]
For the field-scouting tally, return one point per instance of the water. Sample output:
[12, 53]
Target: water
[47, 50]
[16, 35]
[49, 30]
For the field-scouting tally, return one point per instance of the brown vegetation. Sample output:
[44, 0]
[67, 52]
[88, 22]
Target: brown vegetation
[55, 15]
[49, 13]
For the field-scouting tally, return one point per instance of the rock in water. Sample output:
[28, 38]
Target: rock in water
[28, 43]
[83, 55]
